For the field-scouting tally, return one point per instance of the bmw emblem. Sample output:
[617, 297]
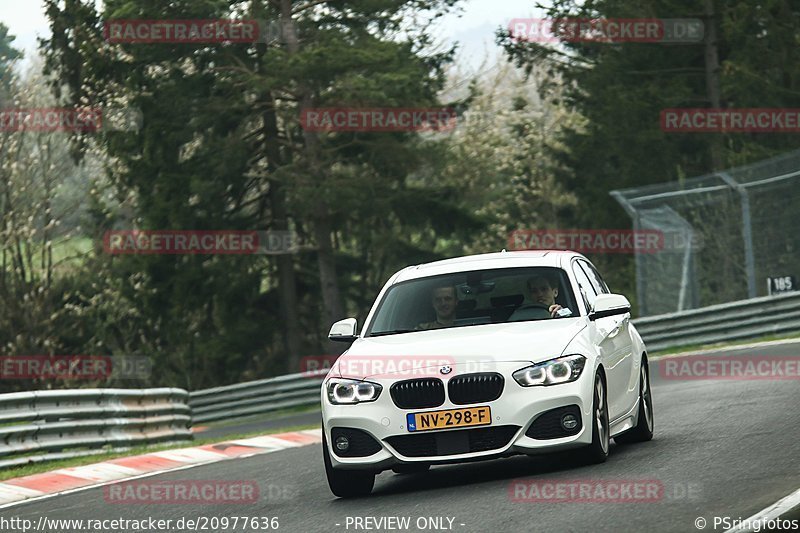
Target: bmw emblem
[446, 369]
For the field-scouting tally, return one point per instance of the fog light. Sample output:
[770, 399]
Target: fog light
[569, 422]
[342, 444]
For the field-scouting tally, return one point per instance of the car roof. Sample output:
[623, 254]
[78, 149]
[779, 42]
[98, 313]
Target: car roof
[504, 259]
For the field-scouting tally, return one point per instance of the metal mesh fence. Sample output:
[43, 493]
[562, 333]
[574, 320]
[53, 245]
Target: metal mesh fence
[727, 233]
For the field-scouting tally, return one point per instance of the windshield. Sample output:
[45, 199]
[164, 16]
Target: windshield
[473, 298]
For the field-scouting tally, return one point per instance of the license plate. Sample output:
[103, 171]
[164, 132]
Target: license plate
[450, 418]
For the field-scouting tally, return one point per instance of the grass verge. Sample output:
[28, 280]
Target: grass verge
[260, 417]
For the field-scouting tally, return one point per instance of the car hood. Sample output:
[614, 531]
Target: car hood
[520, 342]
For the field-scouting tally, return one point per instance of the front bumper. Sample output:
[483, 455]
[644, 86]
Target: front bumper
[514, 411]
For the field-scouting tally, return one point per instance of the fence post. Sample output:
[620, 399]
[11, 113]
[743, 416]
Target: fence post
[634, 214]
[747, 232]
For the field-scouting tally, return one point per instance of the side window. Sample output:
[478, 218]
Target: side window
[599, 285]
[586, 289]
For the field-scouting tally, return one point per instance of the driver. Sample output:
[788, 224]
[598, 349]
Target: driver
[544, 292]
[443, 299]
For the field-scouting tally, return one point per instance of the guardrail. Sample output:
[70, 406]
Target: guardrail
[744, 319]
[71, 423]
[256, 397]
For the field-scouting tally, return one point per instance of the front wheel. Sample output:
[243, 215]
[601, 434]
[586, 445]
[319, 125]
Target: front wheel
[346, 483]
[643, 431]
[598, 449]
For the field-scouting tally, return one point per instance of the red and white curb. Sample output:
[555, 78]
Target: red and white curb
[14, 491]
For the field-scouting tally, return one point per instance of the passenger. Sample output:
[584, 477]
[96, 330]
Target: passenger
[443, 299]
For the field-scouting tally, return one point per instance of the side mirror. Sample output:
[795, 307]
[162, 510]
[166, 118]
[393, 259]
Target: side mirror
[344, 330]
[609, 305]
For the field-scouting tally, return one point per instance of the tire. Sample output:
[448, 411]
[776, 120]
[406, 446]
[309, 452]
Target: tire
[346, 483]
[597, 451]
[411, 468]
[643, 431]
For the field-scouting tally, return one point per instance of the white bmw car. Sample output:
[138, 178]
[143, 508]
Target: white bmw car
[483, 357]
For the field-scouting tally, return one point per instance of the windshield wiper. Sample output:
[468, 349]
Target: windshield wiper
[391, 332]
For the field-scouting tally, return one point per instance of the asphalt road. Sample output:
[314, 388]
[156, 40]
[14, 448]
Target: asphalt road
[721, 448]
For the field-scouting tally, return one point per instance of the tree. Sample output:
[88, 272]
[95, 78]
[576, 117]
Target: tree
[501, 156]
[620, 89]
[222, 147]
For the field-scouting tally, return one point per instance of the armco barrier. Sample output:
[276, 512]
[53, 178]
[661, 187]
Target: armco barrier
[58, 424]
[256, 397]
[744, 319]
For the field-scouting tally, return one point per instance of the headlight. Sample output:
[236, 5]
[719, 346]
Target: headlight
[561, 370]
[349, 391]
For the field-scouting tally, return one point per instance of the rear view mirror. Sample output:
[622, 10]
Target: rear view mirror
[609, 305]
[344, 330]
[479, 287]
